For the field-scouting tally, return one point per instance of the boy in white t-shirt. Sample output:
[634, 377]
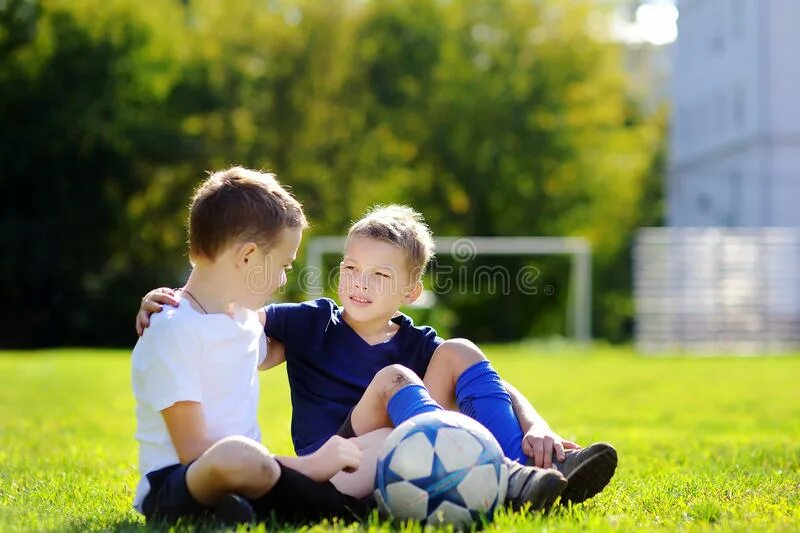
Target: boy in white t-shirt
[194, 374]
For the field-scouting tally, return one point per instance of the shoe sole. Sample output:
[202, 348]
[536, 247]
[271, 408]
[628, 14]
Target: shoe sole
[542, 494]
[232, 509]
[590, 477]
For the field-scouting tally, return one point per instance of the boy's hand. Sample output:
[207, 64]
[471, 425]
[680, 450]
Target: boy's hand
[540, 443]
[152, 303]
[337, 454]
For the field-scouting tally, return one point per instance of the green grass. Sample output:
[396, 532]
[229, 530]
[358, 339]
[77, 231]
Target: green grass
[704, 443]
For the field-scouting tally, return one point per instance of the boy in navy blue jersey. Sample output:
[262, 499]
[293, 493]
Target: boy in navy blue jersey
[333, 353]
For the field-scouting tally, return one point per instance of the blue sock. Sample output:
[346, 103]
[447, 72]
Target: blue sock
[480, 395]
[410, 401]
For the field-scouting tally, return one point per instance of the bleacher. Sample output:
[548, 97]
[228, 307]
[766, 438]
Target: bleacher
[717, 290]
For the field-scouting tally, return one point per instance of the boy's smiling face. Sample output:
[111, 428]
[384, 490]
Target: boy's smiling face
[374, 279]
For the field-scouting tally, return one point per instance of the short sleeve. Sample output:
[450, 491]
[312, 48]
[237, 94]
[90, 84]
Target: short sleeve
[165, 359]
[293, 324]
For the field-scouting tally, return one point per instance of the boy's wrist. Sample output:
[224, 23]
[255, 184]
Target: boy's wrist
[314, 464]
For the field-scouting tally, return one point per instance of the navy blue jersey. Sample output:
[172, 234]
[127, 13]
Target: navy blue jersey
[330, 365]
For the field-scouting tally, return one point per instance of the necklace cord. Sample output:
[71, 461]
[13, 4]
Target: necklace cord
[195, 300]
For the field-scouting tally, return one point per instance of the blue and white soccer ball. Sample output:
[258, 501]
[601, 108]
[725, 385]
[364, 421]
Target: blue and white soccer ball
[441, 467]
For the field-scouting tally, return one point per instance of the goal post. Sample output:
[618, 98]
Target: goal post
[577, 248]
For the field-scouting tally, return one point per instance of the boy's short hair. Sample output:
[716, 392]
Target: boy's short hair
[240, 204]
[401, 226]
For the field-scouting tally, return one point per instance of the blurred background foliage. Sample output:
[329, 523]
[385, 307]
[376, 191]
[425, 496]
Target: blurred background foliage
[492, 117]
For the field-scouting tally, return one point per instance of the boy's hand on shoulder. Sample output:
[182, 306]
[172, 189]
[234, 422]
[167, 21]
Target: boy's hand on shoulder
[152, 303]
[337, 454]
[540, 444]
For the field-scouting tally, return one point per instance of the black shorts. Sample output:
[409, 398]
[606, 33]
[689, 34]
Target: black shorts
[295, 498]
[169, 498]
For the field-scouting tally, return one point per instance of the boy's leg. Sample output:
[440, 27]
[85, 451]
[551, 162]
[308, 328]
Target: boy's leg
[396, 394]
[393, 396]
[216, 484]
[232, 465]
[460, 375]
[299, 499]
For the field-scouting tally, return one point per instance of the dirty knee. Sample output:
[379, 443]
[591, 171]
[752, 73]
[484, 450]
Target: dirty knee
[239, 464]
[392, 378]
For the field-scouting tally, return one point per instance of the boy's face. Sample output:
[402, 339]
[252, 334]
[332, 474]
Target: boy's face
[374, 279]
[264, 273]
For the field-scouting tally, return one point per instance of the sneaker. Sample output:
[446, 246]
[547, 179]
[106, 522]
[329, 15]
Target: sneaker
[588, 471]
[232, 509]
[529, 484]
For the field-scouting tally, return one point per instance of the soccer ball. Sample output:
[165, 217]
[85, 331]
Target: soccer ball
[440, 467]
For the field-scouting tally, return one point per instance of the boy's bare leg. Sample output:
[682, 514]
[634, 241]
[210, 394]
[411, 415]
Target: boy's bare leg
[361, 482]
[448, 362]
[369, 423]
[371, 411]
[234, 464]
[587, 471]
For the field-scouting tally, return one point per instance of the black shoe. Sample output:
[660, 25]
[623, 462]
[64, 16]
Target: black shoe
[588, 471]
[232, 509]
[528, 484]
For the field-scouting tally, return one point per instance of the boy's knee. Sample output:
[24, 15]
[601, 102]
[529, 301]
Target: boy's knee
[459, 354]
[392, 378]
[241, 464]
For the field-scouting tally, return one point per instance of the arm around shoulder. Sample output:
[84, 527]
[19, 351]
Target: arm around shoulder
[276, 355]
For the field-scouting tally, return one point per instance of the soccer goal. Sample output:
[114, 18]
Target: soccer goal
[579, 250]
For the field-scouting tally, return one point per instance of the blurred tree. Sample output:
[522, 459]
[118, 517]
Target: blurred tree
[81, 122]
[491, 117]
[506, 118]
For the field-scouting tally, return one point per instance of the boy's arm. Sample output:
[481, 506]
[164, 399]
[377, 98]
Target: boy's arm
[187, 430]
[538, 441]
[336, 455]
[276, 354]
[276, 351]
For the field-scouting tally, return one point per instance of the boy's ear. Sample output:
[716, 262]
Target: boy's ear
[414, 293]
[246, 254]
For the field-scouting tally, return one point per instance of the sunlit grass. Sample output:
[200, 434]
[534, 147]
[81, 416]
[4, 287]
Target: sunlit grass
[712, 442]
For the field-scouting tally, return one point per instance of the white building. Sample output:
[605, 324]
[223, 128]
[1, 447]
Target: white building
[722, 278]
[735, 139]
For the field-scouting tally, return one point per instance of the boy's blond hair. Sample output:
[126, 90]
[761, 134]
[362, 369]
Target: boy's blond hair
[239, 203]
[401, 226]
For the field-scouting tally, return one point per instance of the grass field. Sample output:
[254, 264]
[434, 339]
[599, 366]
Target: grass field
[703, 443]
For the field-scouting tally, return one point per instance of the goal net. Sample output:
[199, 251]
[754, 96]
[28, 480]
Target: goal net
[463, 249]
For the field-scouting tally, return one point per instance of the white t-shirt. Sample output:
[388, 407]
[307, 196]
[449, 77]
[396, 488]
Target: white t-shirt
[188, 356]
